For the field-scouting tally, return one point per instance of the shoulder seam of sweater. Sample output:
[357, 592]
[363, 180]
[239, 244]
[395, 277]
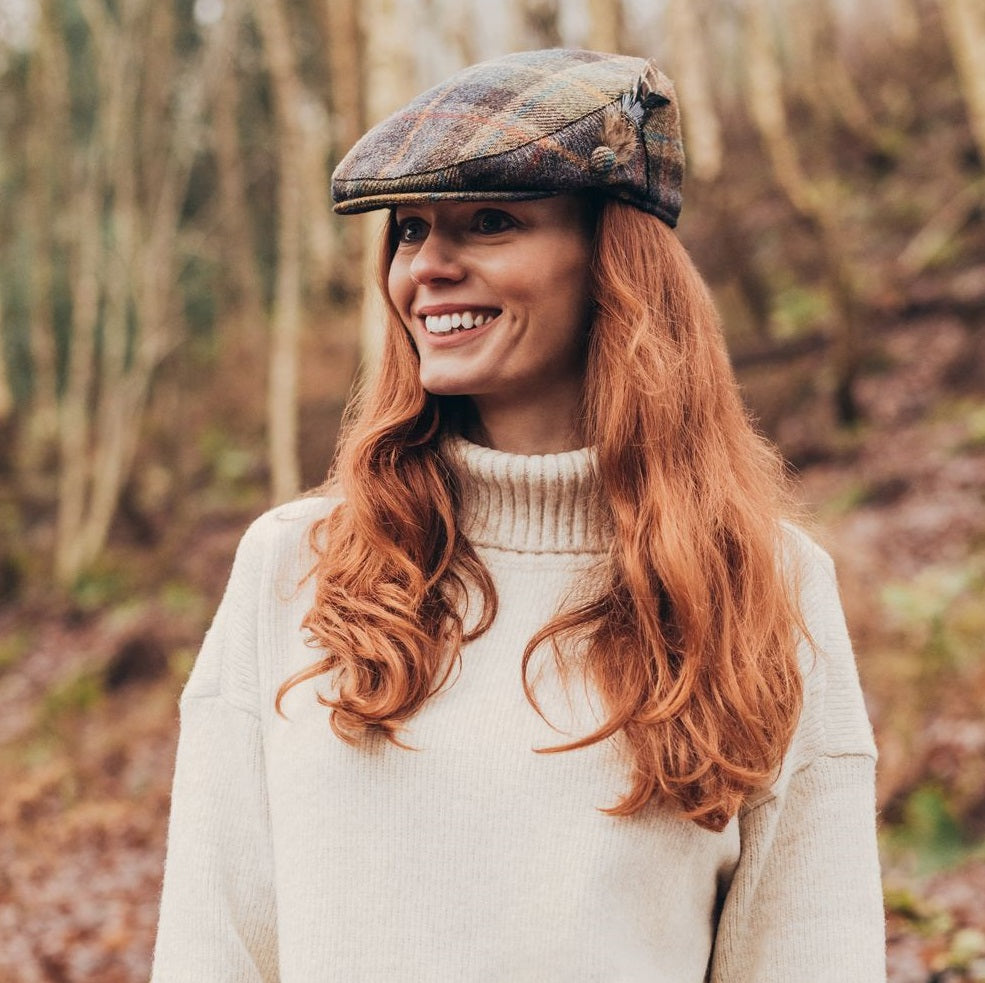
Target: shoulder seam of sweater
[772, 796]
[222, 698]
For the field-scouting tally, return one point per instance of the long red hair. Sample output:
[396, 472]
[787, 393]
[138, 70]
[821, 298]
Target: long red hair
[691, 642]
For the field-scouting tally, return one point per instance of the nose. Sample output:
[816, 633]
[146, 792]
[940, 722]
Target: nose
[437, 259]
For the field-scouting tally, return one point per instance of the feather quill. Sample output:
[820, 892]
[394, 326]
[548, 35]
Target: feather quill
[619, 134]
[622, 122]
[645, 94]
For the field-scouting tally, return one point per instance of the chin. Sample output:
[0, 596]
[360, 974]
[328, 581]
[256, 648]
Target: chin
[447, 387]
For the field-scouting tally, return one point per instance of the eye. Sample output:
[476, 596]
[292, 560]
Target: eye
[411, 229]
[491, 221]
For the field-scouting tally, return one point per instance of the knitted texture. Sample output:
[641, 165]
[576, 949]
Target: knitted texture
[296, 858]
[526, 125]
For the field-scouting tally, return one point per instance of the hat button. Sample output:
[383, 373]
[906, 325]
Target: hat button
[603, 160]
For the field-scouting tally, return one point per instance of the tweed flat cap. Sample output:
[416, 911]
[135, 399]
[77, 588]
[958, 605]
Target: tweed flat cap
[527, 125]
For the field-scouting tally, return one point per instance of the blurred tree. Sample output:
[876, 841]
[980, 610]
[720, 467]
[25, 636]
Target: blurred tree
[964, 21]
[164, 159]
[904, 22]
[47, 89]
[6, 395]
[688, 55]
[606, 24]
[76, 424]
[815, 201]
[816, 70]
[499, 27]
[340, 25]
[389, 79]
[542, 22]
[128, 171]
[236, 218]
[459, 25]
[285, 322]
[320, 239]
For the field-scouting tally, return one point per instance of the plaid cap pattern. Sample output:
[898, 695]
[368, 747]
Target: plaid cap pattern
[526, 125]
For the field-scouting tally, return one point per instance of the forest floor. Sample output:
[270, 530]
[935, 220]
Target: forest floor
[88, 692]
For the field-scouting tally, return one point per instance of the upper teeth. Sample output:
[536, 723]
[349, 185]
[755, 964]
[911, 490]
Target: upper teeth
[443, 323]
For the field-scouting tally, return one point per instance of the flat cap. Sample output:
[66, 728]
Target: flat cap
[527, 125]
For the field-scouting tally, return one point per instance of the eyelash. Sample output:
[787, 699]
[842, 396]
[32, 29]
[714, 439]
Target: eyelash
[504, 220]
[408, 229]
[405, 226]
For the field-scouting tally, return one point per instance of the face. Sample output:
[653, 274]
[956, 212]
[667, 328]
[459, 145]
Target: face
[495, 296]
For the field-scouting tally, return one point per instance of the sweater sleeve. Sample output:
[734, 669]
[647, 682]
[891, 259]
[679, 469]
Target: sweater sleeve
[805, 902]
[218, 919]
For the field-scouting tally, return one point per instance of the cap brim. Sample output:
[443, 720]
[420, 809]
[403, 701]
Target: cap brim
[369, 203]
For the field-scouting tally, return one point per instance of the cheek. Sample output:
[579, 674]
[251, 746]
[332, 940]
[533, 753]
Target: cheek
[572, 289]
[399, 286]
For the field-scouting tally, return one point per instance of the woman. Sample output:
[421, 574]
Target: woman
[561, 696]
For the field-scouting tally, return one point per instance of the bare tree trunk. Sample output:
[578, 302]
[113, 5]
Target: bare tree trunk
[285, 328]
[6, 396]
[313, 174]
[103, 455]
[800, 35]
[243, 340]
[122, 259]
[235, 218]
[542, 22]
[606, 19]
[460, 31]
[964, 21]
[388, 82]
[119, 94]
[818, 72]
[74, 412]
[389, 78]
[498, 26]
[904, 22]
[345, 48]
[691, 71]
[48, 91]
[765, 96]
[341, 19]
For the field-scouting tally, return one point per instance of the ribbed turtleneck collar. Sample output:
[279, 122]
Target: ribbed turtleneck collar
[539, 503]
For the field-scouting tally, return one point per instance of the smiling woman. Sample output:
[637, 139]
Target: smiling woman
[515, 277]
[582, 706]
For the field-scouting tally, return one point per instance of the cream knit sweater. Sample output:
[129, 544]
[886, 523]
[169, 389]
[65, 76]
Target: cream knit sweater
[296, 858]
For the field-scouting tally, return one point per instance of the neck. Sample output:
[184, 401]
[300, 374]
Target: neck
[534, 426]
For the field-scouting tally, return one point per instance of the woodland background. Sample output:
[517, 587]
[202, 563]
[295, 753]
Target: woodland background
[182, 318]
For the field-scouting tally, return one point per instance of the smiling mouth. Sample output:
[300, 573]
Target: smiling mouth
[458, 321]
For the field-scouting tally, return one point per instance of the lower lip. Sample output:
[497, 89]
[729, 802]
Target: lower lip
[453, 339]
